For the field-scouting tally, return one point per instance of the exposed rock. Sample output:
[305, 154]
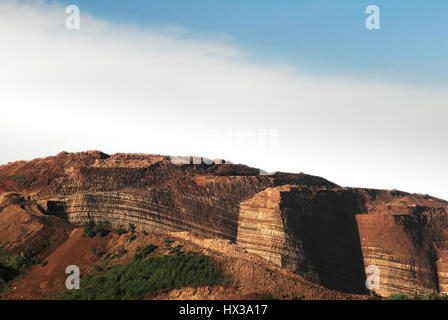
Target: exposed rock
[299, 222]
[330, 236]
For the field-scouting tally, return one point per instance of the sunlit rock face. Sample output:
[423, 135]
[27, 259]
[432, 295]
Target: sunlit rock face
[303, 223]
[331, 235]
[149, 191]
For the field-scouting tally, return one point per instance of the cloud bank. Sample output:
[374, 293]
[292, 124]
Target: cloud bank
[119, 88]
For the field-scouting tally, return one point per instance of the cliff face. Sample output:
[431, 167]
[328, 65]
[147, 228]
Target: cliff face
[303, 223]
[331, 235]
[148, 190]
[309, 231]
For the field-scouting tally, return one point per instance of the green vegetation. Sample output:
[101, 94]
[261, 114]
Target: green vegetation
[374, 296]
[101, 228]
[13, 264]
[399, 296]
[147, 277]
[117, 254]
[30, 182]
[131, 227]
[120, 230]
[269, 297]
[132, 238]
[298, 297]
[168, 244]
[18, 180]
[44, 244]
[143, 252]
[97, 253]
[426, 296]
[177, 249]
[434, 296]
[88, 229]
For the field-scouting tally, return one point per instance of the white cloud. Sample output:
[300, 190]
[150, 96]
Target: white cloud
[123, 89]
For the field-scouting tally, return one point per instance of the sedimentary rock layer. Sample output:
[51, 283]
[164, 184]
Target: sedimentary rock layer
[303, 223]
[331, 235]
[149, 191]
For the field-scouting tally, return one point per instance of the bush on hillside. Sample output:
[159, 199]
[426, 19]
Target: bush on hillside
[148, 277]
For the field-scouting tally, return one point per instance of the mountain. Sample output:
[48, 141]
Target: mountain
[318, 236]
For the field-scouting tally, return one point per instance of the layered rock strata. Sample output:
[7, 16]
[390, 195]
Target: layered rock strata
[300, 222]
[331, 235]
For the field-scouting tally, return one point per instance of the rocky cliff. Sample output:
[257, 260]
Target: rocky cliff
[303, 223]
[331, 235]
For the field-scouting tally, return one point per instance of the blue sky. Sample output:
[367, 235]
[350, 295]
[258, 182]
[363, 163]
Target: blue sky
[323, 37]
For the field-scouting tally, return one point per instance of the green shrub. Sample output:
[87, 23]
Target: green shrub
[117, 254]
[143, 252]
[434, 296]
[18, 180]
[131, 227]
[101, 228]
[374, 296]
[26, 259]
[44, 244]
[97, 253]
[7, 273]
[148, 277]
[426, 296]
[177, 249]
[89, 229]
[132, 238]
[402, 296]
[399, 296]
[12, 264]
[168, 244]
[2, 285]
[269, 297]
[120, 230]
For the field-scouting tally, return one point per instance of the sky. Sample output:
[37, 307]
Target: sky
[297, 86]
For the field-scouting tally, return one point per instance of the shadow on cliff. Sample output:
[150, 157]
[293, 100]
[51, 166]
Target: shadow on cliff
[323, 243]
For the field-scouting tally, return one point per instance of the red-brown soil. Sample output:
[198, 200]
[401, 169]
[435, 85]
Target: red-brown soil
[293, 226]
[253, 277]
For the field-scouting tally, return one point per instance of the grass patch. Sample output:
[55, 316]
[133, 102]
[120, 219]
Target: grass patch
[148, 277]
